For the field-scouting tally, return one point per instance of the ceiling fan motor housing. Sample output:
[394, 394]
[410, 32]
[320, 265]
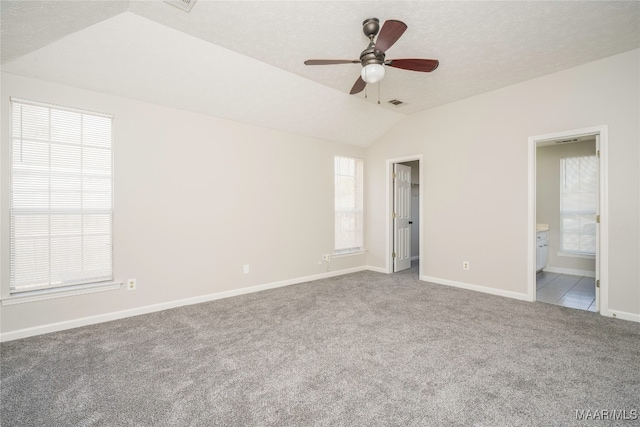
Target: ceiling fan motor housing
[371, 55]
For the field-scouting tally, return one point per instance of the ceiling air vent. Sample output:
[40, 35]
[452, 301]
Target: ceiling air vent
[396, 102]
[185, 5]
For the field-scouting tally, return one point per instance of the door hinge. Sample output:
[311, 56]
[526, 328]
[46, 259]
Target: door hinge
[598, 219]
[598, 153]
[393, 255]
[394, 215]
[393, 175]
[598, 283]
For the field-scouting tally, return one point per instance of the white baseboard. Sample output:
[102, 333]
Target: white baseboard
[377, 269]
[91, 320]
[100, 318]
[477, 288]
[624, 315]
[572, 271]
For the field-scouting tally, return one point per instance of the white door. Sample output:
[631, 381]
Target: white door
[598, 223]
[401, 217]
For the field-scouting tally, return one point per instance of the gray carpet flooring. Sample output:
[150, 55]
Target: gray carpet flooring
[362, 349]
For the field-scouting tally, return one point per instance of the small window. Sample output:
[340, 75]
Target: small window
[348, 204]
[578, 204]
[61, 197]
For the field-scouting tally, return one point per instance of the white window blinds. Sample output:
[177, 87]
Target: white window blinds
[578, 204]
[61, 197]
[348, 204]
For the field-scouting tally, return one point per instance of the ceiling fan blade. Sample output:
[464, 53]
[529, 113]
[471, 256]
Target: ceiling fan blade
[330, 61]
[389, 34]
[426, 65]
[358, 86]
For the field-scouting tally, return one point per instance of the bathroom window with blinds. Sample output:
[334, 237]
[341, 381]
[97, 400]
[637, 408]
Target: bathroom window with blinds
[61, 197]
[348, 174]
[578, 204]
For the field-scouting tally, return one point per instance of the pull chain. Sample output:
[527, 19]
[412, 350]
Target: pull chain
[379, 83]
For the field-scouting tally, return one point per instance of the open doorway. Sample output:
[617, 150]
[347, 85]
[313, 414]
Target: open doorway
[567, 199]
[566, 212]
[404, 205]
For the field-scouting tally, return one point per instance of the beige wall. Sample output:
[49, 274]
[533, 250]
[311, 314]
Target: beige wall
[196, 197]
[475, 179]
[548, 198]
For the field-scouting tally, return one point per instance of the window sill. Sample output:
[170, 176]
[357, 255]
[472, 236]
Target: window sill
[346, 254]
[576, 255]
[45, 294]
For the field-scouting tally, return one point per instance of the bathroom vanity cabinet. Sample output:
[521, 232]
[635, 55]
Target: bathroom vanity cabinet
[542, 249]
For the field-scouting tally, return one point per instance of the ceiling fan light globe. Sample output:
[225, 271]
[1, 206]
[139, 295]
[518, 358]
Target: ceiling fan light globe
[372, 73]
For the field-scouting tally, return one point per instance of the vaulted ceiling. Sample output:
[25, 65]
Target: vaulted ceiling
[243, 60]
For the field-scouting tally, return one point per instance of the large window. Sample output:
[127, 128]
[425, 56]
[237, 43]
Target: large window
[61, 197]
[578, 204]
[348, 204]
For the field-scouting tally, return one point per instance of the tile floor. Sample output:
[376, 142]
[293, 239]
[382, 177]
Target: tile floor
[566, 290]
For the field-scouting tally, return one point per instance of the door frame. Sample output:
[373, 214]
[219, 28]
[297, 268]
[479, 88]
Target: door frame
[602, 254]
[389, 210]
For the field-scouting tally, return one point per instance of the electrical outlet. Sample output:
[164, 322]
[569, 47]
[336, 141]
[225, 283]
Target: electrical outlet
[131, 284]
[245, 269]
[326, 257]
[465, 265]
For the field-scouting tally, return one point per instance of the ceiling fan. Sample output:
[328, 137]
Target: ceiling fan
[373, 57]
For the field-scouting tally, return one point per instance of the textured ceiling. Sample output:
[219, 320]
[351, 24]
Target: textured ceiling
[244, 59]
